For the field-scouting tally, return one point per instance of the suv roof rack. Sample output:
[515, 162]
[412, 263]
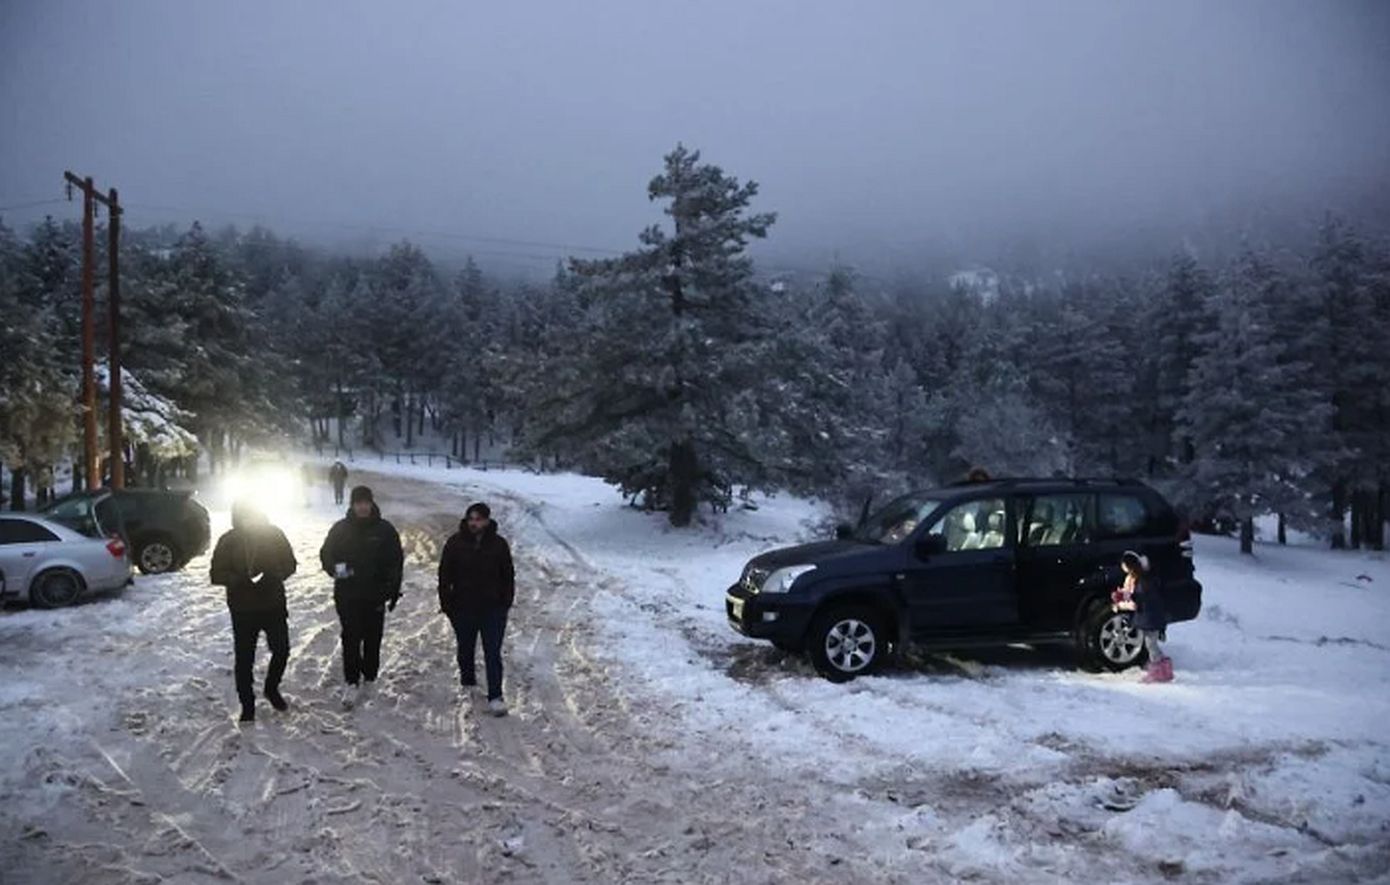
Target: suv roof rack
[1010, 481]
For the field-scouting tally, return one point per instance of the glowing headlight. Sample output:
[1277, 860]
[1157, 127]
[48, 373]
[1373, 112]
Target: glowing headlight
[782, 580]
[272, 490]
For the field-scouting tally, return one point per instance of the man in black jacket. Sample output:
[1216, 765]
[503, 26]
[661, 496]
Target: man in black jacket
[363, 554]
[337, 475]
[252, 561]
[477, 584]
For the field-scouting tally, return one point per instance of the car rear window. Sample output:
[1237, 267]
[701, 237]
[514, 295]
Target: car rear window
[22, 531]
[1122, 516]
[77, 514]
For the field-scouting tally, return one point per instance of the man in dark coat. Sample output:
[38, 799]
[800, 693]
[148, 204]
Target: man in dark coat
[477, 584]
[337, 475]
[363, 555]
[252, 561]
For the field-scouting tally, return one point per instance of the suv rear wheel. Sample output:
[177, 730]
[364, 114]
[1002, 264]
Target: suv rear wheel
[846, 642]
[157, 555]
[55, 588]
[1109, 641]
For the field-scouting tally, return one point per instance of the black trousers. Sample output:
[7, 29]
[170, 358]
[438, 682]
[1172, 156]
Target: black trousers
[337, 493]
[246, 631]
[363, 622]
[492, 625]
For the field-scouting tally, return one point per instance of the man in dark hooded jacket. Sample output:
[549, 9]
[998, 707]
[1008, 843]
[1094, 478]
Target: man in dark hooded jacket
[363, 554]
[337, 475]
[477, 584]
[252, 561]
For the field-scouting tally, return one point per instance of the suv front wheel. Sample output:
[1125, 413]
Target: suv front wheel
[846, 642]
[1108, 640]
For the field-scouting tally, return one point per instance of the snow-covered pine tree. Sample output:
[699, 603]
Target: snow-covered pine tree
[1248, 409]
[662, 396]
[38, 407]
[1006, 430]
[1082, 373]
[1172, 326]
[405, 337]
[473, 358]
[832, 402]
[1352, 364]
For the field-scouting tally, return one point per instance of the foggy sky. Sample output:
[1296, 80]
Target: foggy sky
[879, 131]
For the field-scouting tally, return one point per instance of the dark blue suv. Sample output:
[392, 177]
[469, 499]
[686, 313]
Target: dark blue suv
[986, 563]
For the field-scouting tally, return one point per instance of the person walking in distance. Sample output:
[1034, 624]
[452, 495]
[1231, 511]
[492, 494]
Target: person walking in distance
[337, 475]
[477, 585]
[363, 555]
[252, 561]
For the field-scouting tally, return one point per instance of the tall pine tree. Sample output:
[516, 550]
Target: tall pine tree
[662, 396]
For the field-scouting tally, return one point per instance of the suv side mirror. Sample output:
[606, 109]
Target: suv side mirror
[844, 531]
[930, 545]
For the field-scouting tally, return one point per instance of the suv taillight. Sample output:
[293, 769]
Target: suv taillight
[116, 547]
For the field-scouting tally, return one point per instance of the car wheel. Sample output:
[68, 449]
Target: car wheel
[1110, 641]
[847, 642]
[55, 589]
[155, 556]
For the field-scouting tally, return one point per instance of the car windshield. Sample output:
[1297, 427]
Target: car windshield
[895, 522]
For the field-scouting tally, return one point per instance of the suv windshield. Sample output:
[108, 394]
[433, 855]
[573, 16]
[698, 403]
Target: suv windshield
[895, 522]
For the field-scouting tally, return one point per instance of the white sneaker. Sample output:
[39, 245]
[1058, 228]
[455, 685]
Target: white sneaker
[366, 691]
[350, 695]
[497, 707]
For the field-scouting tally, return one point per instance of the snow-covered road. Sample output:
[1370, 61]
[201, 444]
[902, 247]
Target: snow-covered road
[648, 743]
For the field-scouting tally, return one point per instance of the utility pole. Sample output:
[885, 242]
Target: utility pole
[90, 459]
[116, 426]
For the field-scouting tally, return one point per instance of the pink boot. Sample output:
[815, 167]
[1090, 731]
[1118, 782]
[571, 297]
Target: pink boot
[1159, 671]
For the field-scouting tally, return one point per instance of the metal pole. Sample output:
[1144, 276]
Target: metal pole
[116, 428]
[89, 388]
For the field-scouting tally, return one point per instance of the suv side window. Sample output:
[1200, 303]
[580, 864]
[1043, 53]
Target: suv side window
[1122, 516]
[22, 531]
[974, 525]
[1058, 520]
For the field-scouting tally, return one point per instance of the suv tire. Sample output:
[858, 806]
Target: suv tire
[847, 641]
[157, 555]
[1108, 640]
[55, 588]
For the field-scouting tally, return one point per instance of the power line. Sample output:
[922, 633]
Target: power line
[31, 205]
[561, 250]
[381, 228]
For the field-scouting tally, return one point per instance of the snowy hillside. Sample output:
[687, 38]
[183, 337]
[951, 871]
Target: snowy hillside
[649, 741]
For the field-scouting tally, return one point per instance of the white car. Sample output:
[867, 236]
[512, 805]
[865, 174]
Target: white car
[51, 565]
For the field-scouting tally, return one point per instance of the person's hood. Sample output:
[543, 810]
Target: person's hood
[488, 531]
[376, 514]
[246, 515]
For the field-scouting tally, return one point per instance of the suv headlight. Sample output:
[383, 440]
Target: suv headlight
[781, 580]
